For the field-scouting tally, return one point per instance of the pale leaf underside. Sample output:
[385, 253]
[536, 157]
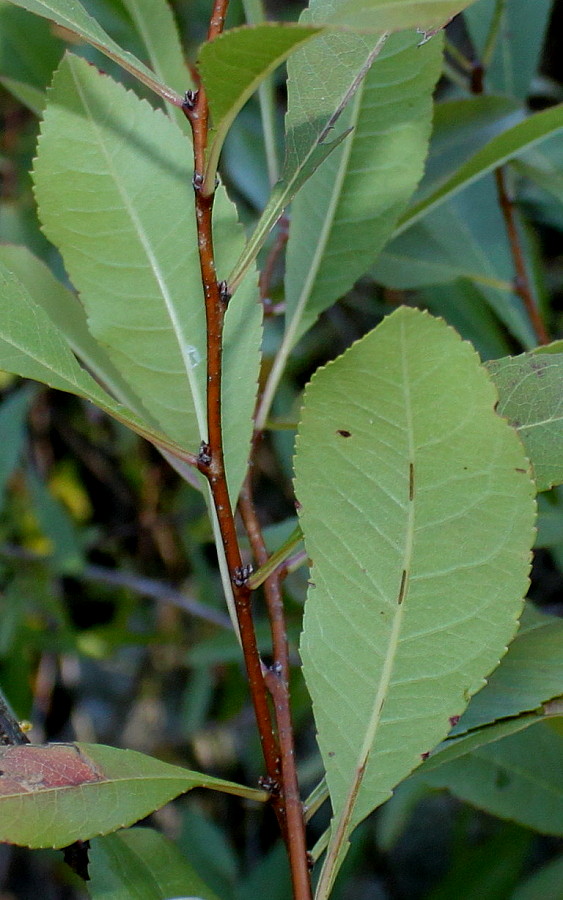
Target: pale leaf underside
[419, 574]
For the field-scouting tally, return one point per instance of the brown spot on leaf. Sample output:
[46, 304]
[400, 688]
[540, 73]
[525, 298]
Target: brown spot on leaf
[343, 432]
[454, 720]
[27, 768]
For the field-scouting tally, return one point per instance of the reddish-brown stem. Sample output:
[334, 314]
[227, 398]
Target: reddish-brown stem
[272, 258]
[211, 459]
[522, 281]
[507, 207]
[277, 680]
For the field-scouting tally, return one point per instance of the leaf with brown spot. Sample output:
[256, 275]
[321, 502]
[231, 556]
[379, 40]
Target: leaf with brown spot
[54, 794]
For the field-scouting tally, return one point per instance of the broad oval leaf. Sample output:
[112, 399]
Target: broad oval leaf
[54, 794]
[530, 390]
[71, 15]
[119, 205]
[418, 575]
[344, 214]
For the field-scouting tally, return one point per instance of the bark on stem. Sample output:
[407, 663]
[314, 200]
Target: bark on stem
[522, 281]
[277, 680]
[211, 458]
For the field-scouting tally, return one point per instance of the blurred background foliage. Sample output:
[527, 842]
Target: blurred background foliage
[112, 624]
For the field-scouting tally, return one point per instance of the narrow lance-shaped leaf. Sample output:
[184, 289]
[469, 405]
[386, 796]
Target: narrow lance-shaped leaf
[495, 153]
[418, 578]
[530, 390]
[70, 14]
[344, 214]
[233, 66]
[31, 346]
[461, 128]
[54, 794]
[119, 206]
[313, 112]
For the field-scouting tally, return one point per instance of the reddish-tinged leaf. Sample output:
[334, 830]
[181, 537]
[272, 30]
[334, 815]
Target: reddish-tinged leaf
[55, 794]
[27, 768]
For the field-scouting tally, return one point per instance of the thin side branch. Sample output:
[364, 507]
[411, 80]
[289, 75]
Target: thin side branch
[522, 285]
[277, 680]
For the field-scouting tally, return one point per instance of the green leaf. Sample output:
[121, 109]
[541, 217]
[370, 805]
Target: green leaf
[531, 398]
[70, 14]
[345, 213]
[141, 864]
[463, 306]
[31, 346]
[517, 51]
[530, 675]
[394, 15]
[232, 67]
[313, 110]
[519, 778]
[120, 208]
[430, 499]
[495, 153]
[67, 315]
[13, 414]
[54, 794]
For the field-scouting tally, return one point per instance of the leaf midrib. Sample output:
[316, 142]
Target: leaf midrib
[340, 829]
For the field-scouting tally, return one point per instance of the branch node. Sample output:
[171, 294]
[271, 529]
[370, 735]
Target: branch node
[241, 574]
[190, 98]
[197, 181]
[269, 784]
[204, 454]
[224, 292]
